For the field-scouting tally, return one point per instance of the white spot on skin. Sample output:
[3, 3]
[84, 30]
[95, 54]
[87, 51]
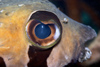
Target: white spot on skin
[66, 57]
[65, 20]
[85, 56]
[1, 11]
[57, 33]
[20, 5]
[88, 53]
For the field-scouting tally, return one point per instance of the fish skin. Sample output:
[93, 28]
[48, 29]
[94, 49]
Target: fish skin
[14, 45]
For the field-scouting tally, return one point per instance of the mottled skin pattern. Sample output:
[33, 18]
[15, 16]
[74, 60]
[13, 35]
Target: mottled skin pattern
[14, 45]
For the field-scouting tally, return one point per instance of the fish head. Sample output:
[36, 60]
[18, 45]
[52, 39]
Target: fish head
[36, 32]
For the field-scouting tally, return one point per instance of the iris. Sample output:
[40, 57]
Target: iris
[42, 31]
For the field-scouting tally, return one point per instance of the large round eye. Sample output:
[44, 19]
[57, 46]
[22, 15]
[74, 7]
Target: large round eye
[43, 29]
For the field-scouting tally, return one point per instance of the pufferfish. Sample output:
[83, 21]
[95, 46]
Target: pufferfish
[34, 33]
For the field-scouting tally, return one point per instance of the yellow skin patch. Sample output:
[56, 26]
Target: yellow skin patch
[13, 43]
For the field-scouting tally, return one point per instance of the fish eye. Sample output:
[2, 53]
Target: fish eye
[43, 29]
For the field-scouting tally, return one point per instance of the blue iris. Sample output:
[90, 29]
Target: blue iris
[42, 31]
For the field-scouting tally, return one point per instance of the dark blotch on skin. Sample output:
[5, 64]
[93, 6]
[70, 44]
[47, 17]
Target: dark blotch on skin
[2, 63]
[38, 57]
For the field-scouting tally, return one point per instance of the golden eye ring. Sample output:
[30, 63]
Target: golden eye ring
[43, 29]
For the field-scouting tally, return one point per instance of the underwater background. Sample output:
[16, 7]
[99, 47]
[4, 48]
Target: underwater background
[88, 13]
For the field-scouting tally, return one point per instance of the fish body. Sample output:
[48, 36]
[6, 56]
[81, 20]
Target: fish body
[14, 44]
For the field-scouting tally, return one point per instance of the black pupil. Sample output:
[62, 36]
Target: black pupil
[42, 31]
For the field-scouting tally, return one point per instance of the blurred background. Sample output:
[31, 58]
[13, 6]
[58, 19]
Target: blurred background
[88, 13]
